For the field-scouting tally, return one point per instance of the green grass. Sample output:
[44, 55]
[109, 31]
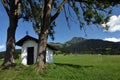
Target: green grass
[84, 67]
[70, 67]
[19, 72]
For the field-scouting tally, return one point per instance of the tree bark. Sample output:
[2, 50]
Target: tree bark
[10, 43]
[41, 57]
[43, 36]
[12, 8]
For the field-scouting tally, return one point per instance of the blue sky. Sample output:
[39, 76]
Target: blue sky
[62, 32]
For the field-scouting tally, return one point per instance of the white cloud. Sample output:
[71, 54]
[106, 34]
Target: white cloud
[114, 23]
[113, 39]
[2, 47]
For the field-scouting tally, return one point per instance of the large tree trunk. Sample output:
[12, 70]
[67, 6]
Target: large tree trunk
[12, 8]
[43, 35]
[10, 43]
[41, 58]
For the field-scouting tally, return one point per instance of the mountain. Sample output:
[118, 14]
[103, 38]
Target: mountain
[88, 46]
[57, 46]
[75, 40]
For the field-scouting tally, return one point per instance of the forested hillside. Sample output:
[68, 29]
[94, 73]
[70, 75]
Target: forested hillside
[88, 46]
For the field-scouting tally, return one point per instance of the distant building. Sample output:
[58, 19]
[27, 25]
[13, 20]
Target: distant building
[29, 50]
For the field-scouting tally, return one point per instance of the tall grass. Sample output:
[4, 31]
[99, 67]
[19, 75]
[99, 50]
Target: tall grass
[69, 67]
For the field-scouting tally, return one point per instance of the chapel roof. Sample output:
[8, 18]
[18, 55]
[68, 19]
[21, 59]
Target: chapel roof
[27, 37]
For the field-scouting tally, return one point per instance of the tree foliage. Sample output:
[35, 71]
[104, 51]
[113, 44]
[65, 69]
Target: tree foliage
[86, 11]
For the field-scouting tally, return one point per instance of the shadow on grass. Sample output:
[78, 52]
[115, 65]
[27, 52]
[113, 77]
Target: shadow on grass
[73, 65]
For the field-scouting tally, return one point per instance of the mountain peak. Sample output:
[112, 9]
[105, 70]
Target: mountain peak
[75, 40]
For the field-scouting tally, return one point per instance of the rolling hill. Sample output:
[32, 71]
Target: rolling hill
[88, 46]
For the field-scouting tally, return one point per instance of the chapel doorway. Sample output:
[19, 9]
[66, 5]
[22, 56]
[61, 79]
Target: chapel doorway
[30, 55]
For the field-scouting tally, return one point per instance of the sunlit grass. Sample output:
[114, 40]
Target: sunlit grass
[69, 67]
[84, 67]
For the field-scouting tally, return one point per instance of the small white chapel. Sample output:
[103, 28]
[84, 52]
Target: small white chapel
[29, 47]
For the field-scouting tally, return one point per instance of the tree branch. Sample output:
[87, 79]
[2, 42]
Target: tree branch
[58, 10]
[18, 7]
[8, 2]
[46, 17]
[16, 2]
[47, 9]
[42, 9]
[5, 6]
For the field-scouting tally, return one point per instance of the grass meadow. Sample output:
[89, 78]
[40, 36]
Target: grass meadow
[69, 67]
